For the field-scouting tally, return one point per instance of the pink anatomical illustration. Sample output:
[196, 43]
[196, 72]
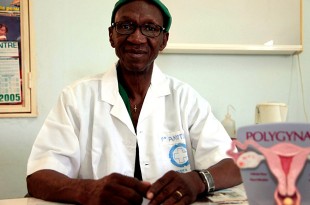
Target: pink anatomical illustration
[285, 161]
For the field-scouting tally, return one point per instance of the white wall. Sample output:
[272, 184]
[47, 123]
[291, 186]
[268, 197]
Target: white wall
[62, 57]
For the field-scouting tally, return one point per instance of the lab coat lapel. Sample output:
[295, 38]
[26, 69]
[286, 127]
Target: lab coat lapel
[110, 94]
[119, 111]
[158, 89]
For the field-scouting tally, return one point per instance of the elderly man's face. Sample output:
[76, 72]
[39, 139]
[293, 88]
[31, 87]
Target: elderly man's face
[136, 51]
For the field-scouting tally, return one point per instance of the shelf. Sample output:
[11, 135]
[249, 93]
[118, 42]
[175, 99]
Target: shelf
[176, 48]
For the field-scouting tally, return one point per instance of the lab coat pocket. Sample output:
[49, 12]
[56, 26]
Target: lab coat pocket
[168, 151]
[174, 149]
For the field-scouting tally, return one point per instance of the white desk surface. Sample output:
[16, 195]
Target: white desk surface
[221, 198]
[27, 201]
[34, 201]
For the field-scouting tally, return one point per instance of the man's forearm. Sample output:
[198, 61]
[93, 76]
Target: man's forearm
[112, 189]
[225, 174]
[53, 186]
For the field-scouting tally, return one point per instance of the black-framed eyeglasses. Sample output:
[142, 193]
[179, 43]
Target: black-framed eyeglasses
[127, 28]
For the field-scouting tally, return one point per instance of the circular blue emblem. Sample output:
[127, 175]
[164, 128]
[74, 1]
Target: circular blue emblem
[178, 155]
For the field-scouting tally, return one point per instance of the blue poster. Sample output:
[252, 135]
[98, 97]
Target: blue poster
[10, 20]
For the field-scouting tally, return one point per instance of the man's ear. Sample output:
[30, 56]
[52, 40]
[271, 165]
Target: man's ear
[110, 37]
[165, 41]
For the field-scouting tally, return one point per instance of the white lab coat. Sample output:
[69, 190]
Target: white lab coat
[89, 133]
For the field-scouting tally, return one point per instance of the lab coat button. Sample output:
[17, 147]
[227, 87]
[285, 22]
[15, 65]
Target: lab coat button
[146, 164]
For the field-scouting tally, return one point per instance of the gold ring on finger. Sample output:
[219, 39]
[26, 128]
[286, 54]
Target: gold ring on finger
[180, 195]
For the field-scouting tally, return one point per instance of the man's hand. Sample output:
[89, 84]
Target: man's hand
[176, 188]
[116, 189]
[113, 189]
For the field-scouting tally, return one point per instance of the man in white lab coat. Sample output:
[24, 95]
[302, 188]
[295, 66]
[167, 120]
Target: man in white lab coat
[132, 132]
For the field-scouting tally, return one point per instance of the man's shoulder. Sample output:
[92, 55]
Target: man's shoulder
[178, 85]
[93, 79]
[88, 80]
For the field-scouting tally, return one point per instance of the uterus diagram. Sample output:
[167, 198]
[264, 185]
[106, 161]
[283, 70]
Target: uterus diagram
[284, 160]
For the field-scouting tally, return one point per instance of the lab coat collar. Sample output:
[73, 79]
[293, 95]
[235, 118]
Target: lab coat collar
[159, 82]
[109, 93]
[109, 85]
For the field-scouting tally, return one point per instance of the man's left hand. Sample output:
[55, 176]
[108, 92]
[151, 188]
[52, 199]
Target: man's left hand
[176, 188]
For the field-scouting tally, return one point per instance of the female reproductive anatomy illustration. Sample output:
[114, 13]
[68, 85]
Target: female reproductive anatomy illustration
[285, 161]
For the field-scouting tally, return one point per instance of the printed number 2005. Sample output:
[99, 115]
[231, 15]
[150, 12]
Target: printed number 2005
[9, 97]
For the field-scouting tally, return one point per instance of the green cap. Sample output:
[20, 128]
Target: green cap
[158, 3]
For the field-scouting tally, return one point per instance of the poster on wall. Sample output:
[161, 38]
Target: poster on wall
[10, 53]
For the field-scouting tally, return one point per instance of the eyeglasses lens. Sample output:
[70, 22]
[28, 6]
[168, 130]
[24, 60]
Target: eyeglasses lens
[127, 28]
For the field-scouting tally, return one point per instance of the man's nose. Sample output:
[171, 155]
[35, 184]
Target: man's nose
[137, 37]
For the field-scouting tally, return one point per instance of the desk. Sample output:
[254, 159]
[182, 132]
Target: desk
[27, 201]
[34, 201]
[223, 197]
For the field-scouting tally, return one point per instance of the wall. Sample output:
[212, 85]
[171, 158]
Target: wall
[236, 22]
[62, 57]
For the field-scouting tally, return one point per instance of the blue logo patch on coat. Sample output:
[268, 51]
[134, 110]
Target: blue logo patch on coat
[178, 155]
